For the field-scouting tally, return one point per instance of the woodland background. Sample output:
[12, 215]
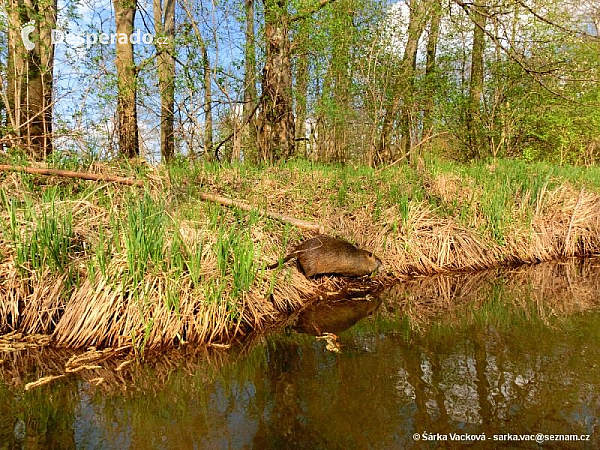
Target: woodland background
[363, 81]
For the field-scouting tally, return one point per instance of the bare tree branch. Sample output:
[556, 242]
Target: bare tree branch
[536, 75]
[555, 24]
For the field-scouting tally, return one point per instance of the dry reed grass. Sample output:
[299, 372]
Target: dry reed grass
[565, 223]
[113, 309]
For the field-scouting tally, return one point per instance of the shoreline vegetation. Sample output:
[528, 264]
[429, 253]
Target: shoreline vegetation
[517, 302]
[105, 265]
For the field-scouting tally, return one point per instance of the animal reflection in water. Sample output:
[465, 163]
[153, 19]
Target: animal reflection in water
[328, 255]
[324, 319]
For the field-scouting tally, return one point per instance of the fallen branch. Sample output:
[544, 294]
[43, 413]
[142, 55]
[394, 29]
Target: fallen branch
[133, 182]
[71, 174]
[246, 207]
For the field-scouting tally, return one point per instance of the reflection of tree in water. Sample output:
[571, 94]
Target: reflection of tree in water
[495, 353]
[278, 422]
[503, 374]
[491, 371]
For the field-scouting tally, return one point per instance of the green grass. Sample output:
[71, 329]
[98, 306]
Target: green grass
[502, 186]
[236, 255]
[46, 240]
[145, 236]
[145, 228]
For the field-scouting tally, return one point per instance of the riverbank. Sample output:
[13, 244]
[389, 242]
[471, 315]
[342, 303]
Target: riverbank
[96, 263]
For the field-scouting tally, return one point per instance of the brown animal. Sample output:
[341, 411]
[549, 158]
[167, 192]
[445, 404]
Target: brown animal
[327, 255]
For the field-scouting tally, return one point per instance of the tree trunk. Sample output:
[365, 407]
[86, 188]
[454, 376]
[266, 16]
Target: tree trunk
[430, 69]
[164, 25]
[240, 133]
[126, 79]
[208, 121]
[408, 109]
[400, 95]
[30, 74]
[474, 122]
[250, 72]
[276, 131]
[302, 78]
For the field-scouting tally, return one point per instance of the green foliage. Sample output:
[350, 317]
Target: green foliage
[539, 98]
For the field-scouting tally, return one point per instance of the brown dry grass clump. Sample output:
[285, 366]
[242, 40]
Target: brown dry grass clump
[566, 223]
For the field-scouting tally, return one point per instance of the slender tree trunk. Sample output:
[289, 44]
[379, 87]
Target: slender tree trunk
[48, 11]
[302, 78]
[126, 79]
[325, 128]
[408, 109]
[430, 68]
[250, 73]
[17, 55]
[207, 77]
[164, 24]
[208, 120]
[391, 109]
[276, 131]
[249, 89]
[474, 122]
[237, 119]
[30, 74]
[400, 95]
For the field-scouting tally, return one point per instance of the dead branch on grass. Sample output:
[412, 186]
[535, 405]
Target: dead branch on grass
[273, 215]
[133, 182]
[71, 174]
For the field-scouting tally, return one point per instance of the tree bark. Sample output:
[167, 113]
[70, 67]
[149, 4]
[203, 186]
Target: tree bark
[164, 25]
[72, 174]
[208, 119]
[408, 109]
[250, 73]
[474, 122]
[206, 81]
[276, 128]
[302, 79]
[126, 79]
[30, 66]
[400, 95]
[430, 69]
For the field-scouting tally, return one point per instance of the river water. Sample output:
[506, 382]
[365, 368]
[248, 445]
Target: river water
[508, 356]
